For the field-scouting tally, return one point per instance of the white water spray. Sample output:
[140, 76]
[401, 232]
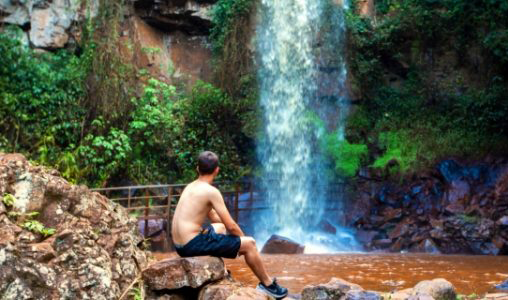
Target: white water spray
[302, 77]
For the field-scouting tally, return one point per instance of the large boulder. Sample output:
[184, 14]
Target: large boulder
[52, 23]
[61, 241]
[228, 289]
[177, 273]
[277, 244]
[337, 289]
[439, 289]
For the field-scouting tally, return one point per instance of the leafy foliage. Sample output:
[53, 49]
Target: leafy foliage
[347, 157]
[38, 227]
[431, 77]
[8, 199]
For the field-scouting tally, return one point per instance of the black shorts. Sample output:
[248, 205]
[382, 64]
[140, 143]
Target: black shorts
[208, 242]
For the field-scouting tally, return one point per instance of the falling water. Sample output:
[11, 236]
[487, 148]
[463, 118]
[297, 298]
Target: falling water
[302, 78]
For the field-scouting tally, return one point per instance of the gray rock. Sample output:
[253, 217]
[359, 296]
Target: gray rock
[231, 290]
[439, 289]
[335, 289]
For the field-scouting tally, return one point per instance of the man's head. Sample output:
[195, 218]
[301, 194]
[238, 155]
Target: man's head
[208, 163]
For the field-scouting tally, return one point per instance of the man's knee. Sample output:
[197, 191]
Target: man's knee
[248, 244]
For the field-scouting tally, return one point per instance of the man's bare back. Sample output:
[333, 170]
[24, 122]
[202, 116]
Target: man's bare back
[200, 200]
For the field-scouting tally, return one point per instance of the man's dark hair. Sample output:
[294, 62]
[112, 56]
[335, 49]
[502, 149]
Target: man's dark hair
[207, 162]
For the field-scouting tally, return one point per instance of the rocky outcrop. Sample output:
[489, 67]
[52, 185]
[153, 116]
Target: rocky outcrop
[189, 16]
[277, 244]
[51, 24]
[203, 278]
[61, 241]
[193, 272]
[456, 208]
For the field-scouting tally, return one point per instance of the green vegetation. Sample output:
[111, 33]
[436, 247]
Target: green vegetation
[431, 81]
[8, 200]
[96, 118]
[38, 227]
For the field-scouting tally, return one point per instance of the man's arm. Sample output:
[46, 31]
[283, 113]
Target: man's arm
[214, 217]
[220, 208]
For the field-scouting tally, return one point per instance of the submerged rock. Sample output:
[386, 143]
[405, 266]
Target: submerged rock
[277, 244]
[93, 253]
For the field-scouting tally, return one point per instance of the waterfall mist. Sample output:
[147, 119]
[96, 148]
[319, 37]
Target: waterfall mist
[302, 75]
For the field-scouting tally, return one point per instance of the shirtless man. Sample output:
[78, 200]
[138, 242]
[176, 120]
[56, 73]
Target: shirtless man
[200, 200]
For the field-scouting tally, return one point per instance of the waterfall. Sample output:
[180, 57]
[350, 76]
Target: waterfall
[302, 74]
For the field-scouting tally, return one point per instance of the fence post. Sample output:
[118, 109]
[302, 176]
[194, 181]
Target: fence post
[129, 198]
[147, 209]
[170, 218]
[236, 199]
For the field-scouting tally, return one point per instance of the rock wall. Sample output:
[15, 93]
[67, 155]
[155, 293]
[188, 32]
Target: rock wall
[48, 24]
[169, 39]
[93, 253]
[455, 208]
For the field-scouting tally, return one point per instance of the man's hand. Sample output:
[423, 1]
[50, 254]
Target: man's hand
[220, 209]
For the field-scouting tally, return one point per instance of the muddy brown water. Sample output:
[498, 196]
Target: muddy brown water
[379, 272]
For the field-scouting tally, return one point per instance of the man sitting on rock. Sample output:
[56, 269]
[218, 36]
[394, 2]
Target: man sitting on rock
[200, 199]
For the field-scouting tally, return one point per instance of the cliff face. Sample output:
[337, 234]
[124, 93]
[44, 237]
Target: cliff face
[167, 38]
[61, 241]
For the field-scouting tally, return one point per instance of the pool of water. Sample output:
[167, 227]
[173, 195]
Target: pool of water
[380, 272]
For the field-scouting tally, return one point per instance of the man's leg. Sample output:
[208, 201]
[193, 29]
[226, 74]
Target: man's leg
[253, 259]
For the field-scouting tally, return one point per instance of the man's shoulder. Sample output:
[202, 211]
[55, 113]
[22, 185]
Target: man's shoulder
[203, 187]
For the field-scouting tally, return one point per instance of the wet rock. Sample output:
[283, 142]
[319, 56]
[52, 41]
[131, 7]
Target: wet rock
[427, 246]
[176, 273]
[335, 289]
[365, 237]
[327, 227]
[230, 290]
[502, 286]
[439, 289]
[277, 244]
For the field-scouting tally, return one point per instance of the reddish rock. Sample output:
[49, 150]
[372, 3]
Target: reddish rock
[277, 244]
[175, 273]
[390, 214]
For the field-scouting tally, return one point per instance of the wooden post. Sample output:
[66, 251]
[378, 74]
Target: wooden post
[170, 218]
[147, 209]
[129, 198]
[237, 197]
